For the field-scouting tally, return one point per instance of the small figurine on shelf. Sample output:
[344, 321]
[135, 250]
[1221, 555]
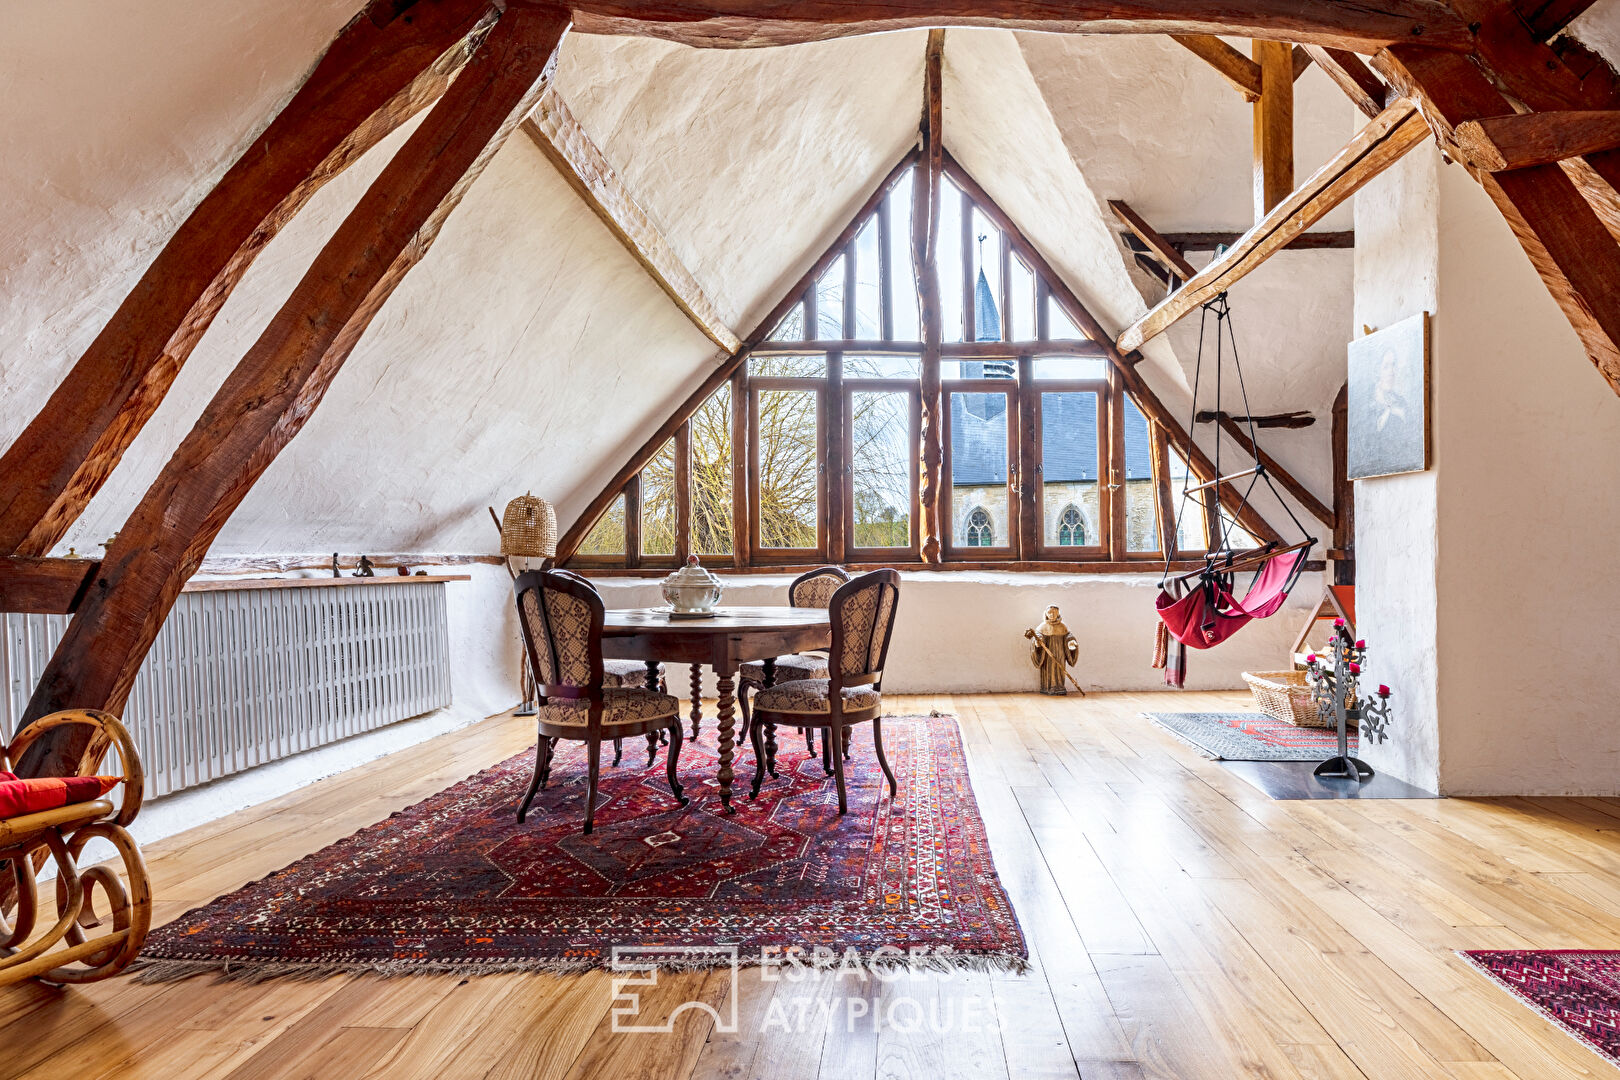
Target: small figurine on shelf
[1335, 688]
[365, 568]
[1054, 651]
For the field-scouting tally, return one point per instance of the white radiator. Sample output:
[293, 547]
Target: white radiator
[240, 677]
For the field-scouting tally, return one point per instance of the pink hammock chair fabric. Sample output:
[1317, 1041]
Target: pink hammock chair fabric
[1210, 613]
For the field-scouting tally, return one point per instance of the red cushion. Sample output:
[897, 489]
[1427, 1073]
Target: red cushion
[19, 797]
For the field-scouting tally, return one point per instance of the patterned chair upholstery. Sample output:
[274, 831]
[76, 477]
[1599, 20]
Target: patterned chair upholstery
[561, 616]
[813, 589]
[627, 673]
[862, 614]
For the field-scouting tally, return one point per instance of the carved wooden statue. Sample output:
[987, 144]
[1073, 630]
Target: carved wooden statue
[1054, 652]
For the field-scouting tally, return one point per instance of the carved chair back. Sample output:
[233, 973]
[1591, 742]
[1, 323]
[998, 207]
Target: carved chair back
[862, 614]
[561, 615]
[815, 588]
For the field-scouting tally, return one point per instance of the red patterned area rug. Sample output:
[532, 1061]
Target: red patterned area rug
[1251, 736]
[455, 884]
[1575, 989]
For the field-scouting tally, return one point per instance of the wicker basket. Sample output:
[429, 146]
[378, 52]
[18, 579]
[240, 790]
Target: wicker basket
[1285, 696]
[529, 528]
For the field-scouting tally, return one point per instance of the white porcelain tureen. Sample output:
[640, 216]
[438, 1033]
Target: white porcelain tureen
[692, 589]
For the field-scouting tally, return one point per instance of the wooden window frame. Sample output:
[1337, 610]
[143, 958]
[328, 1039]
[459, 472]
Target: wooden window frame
[1106, 510]
[1026, 546]
[1015, 511]
[912, 552]
[757, 553]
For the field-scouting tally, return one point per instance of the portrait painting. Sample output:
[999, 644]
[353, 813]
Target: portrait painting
[1387, 429]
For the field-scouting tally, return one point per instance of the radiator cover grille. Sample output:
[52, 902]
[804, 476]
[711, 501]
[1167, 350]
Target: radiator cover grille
[241, 677]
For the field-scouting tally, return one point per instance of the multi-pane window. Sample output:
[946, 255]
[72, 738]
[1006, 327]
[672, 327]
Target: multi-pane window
[810, 452]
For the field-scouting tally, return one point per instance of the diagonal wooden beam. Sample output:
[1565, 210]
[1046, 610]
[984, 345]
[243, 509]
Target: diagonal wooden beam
[1301, 60]
[1156, 243]
[388, 64]
[278, 384]
[1557, 227]
[1524, 140]
[1352, 75]
[1233, 66]
[1302, 494]
[576, 156]
[925, 212]
[1546, 17]
[746, 23]
[1377, 146]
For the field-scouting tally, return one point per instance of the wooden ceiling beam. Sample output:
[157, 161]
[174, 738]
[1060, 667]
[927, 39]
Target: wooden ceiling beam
[1547, 17]
[1156, 244]
[558, 135]
[1302, 494]
[1377, 146]
[44, 586]
[1558, 228]
[280, 381]
[1301, 60]
[746, 23]
[1296, 418]
[389, 63]
[1238, 70]
[1352, 75]
[1524, 140]
[1213, 241]
[1273, 126]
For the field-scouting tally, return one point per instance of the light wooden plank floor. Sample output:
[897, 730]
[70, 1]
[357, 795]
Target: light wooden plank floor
[1181, 925]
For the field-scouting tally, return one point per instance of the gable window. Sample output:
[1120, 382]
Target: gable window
[810, 451]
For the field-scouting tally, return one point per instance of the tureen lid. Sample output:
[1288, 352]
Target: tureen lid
[691, 574]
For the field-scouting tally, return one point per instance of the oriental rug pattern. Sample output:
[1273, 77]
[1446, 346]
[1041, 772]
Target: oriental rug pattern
[1575, 989]
[455, 884]
[1251, 736]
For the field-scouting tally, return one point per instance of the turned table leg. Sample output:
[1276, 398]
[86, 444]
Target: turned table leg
[652, 736]
[769, 664]
[725, 716]
[697, 698]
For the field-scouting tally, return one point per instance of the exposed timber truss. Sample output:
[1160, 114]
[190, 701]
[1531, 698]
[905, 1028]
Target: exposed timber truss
[1459, 62]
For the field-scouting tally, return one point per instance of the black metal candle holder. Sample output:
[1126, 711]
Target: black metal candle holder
[1335, 691]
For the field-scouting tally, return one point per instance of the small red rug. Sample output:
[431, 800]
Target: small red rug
[1577, 990]
[455, 884]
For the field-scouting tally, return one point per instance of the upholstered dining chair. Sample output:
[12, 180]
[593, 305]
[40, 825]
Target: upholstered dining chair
[862, 614]
[813, 589]
[561, 616]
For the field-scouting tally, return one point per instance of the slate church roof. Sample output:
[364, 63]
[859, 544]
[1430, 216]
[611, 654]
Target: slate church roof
[979, 422]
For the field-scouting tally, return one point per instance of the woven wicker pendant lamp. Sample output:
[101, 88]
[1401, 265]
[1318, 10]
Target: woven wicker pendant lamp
[529, 528]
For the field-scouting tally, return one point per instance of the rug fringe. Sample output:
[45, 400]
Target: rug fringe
[885, 961]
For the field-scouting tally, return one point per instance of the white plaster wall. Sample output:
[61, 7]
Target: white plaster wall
[751, 160]
[1397, 546]
[1495, 648]
[963, 631]
[1528, 432]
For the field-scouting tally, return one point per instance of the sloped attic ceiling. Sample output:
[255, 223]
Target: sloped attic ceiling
[527, 351]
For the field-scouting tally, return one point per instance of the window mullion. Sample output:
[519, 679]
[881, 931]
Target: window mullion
[833, 421]
[632, 522]
[1030, 478]
[1114, 453]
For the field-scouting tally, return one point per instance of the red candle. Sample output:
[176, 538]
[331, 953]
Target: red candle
[1383, 691]
[1355, 669]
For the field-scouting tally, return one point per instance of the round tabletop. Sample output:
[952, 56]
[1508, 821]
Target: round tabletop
[725, 619]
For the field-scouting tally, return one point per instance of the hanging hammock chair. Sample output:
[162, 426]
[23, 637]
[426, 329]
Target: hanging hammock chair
[1201, 608]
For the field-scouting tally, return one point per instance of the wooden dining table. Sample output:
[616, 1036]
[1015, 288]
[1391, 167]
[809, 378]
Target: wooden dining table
[723, 642]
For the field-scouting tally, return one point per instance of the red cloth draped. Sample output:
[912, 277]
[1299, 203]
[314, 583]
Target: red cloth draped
[1210, 613]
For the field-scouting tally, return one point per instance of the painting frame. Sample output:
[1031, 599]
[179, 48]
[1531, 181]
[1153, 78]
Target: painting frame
[1389, 430]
